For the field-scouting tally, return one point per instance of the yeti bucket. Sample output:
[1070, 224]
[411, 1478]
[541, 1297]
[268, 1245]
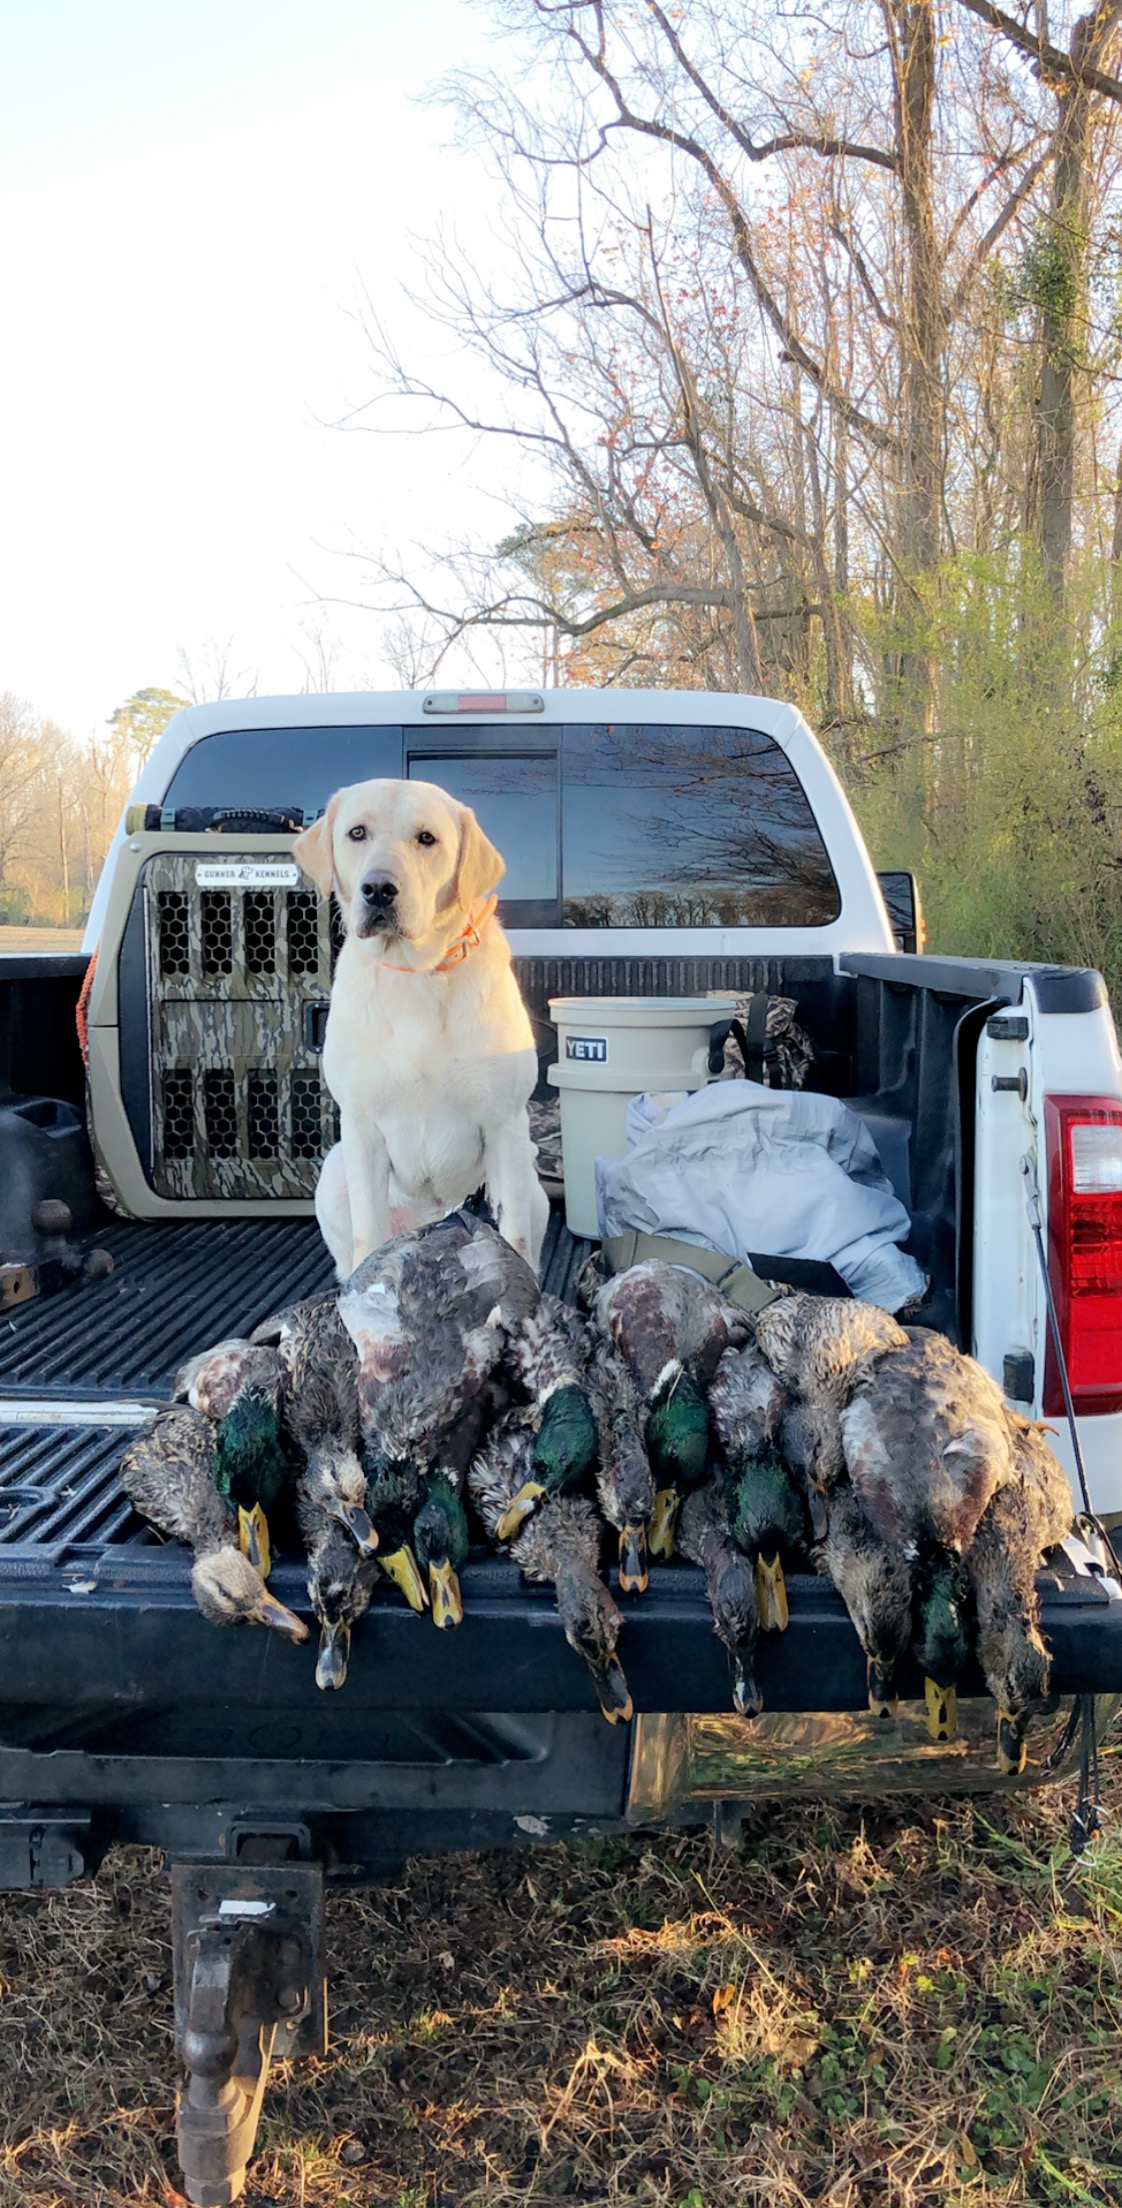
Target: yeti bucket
[610, 1049]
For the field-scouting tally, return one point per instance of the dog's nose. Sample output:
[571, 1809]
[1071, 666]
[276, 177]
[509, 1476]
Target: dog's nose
[379, 892]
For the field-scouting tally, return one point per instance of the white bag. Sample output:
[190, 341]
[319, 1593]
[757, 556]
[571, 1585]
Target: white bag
[738, 1167]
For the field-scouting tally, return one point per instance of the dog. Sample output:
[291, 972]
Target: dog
[429, 1052]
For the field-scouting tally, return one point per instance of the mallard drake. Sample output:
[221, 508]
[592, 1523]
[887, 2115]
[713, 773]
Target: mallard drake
[238, 1385]
[548, 1356]
[170, 1475]
[767, 1510]
[927, 1443]
[672, 1328]
[624, 1482]
[875, 1583]
[440, 1540]
[559, 1546]
[820, 1347]
[319, 1414]
[1028, 1515]
[430, 1315]
[340, 1583]
[705, 1536]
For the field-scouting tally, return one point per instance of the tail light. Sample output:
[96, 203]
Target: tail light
[1084, 1139]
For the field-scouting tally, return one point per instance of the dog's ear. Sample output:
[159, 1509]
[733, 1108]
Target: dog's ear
[480, 868]
[314, 851]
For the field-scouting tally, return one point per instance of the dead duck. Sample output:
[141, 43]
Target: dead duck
[875, 1583]
[671, 1328]
[766, 1504]
[430, 1315]
[319, 1415]
[559, 1546]
[625, 1486]
[548, 1359]
[927, 1444]
[340, 1584]
[705, 1536]
[820, 1347]
[238, 1386]
[440, 1543]
[1030, 1514]
[170, 1474]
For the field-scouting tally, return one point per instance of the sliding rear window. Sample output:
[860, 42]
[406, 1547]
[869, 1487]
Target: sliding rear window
[683, 827]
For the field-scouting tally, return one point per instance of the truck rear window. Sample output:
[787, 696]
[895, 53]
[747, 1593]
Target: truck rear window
[661, 825]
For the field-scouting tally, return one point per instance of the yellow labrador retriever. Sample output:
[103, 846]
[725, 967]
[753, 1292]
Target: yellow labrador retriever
[429, 1052]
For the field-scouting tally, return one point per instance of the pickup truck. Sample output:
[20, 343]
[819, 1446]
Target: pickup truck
[656, 844]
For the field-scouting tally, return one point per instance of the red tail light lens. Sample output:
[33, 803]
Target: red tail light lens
[1084, 1138]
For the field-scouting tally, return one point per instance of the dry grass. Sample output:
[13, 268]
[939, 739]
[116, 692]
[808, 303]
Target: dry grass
[39, 939]
[892, 2007]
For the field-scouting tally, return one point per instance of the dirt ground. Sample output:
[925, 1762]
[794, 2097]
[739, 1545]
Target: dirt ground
[863, 2009]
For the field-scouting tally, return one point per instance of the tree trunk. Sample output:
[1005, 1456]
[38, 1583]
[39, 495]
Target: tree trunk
[1062, 292]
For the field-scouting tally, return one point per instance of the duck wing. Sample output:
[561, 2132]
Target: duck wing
[213, 1381]
[319, 1374]
[927, 1444]
[499, 1468]
[656, 1314]
[549, 1349]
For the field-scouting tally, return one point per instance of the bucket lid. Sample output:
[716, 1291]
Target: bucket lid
[642, 1011]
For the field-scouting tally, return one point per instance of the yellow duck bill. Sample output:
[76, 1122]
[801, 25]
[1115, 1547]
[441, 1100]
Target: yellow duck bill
[402, 1567]
[771, 1595]
[447, 1602]
[519, 1508]
[942, 1710]
[253, 1539]
[664, 1522]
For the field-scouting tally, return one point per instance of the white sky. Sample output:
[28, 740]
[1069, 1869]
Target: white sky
[190, 192]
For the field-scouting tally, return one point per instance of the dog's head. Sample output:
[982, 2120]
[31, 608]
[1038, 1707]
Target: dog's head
[407, 864]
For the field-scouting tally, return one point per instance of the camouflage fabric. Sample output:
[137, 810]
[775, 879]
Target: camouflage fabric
[788, 1052]
[235, 973]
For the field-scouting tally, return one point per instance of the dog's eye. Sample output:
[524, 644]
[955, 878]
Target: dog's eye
[425, 836]
[357, 834]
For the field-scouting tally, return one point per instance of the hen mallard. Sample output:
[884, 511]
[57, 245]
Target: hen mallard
[559, 1546]
[767, 1510]
[820, 1347]
[430, 1315]
[705, 1536]
[170, 1474]
[319, 1412]
[238, 1386]
[1028, 1515]
[548, 1357]
[672, 1328]
[624, 1481]
[340, 1583]
[927, 1443]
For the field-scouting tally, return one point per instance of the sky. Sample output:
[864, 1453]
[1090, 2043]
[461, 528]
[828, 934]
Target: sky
[193, 196]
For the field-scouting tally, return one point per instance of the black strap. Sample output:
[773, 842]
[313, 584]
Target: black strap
[751, 1036]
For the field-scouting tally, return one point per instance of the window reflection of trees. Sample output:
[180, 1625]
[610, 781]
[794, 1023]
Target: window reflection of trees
[717, 816]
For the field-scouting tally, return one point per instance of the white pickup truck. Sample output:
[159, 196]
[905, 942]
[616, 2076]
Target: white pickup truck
[656, 844]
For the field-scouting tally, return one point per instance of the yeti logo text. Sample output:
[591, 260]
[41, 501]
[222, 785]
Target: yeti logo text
[592, 1049]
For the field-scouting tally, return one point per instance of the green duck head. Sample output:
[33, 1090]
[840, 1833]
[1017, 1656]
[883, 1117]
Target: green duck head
[941, 1647]
[678, 1448]
[251, 1468]
[564, 1447]
[440, 1538]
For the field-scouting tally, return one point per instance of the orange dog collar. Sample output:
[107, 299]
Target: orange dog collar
[459, 950]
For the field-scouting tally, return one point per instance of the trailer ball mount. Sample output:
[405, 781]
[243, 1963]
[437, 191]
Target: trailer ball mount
[249, 1989]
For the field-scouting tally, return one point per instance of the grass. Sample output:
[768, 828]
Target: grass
[898, 2007]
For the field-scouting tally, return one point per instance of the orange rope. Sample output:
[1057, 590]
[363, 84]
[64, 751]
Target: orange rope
[81, 1009]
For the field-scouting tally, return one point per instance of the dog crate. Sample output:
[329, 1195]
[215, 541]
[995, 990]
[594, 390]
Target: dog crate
[222, 962]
